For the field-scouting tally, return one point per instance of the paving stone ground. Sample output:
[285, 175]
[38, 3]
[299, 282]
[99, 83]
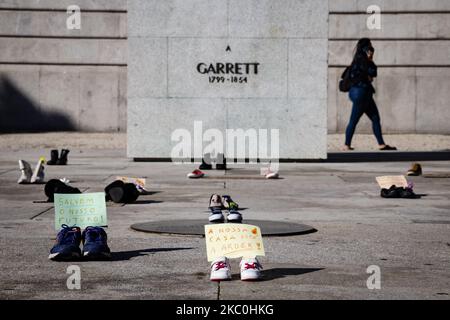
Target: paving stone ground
[408, 239]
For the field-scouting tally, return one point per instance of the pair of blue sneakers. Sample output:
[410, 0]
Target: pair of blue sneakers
[68, 242]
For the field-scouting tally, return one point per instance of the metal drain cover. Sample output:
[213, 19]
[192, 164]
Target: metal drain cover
[196, 227]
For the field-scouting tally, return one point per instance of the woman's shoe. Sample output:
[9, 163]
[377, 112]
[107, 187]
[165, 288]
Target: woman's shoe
[388, 148]
[347, 148]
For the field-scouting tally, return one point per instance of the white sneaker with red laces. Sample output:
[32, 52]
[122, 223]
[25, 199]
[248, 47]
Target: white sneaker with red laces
[220, 270]
[250, 269]
[195, 174]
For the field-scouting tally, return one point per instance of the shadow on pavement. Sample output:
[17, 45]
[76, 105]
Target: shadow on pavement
[149, 193]
[382, 156]
[144, 202]
[276, 273]
[127, 255]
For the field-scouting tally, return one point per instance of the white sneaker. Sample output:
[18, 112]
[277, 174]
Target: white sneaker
[220, 270]
[195, 174]
[216, 215]
[250, 269]
[26, 174]
[38, 175]
[234, 216]
[216, 205]
[272, 175]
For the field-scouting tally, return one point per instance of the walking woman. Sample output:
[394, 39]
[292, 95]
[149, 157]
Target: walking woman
[362, 72]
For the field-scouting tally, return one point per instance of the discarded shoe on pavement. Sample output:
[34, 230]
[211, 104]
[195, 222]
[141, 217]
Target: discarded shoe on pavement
[196, 174]
[62, 160]
[250, 269]
[228, 203]
[272, 175]
[221, 162]
[67, 246]
[388, 148]
[53, 158]
[216, 205]
[416, 170]
[398, 192]
[206, 162]
[95, 246]
[57, 186]
[120, 192]
[38, 174]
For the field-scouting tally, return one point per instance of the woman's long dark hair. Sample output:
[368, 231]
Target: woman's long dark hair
[361, 48]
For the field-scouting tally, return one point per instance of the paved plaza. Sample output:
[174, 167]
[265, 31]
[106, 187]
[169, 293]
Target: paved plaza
[356, 228]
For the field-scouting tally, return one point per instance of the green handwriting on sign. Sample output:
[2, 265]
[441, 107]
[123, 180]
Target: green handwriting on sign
[81, 210]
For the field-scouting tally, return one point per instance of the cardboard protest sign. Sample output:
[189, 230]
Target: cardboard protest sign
[137, 181]
[81, 210]
[233, 240]
[385, 182]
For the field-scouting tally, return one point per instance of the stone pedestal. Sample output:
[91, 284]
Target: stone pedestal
[231, 64]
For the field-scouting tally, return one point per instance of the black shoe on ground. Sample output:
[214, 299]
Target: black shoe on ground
[95, 246]
[399, 192]
[120, 192]
[57, 186]
[392, 192]
[67, 246]
[62, 161]
[221, 163]
[388, 148]
[53, 158]
[206, 162]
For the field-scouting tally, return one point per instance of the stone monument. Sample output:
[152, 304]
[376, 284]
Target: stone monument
[227, 64]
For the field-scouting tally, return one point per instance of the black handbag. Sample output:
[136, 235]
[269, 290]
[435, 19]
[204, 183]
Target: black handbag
[345, 83]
